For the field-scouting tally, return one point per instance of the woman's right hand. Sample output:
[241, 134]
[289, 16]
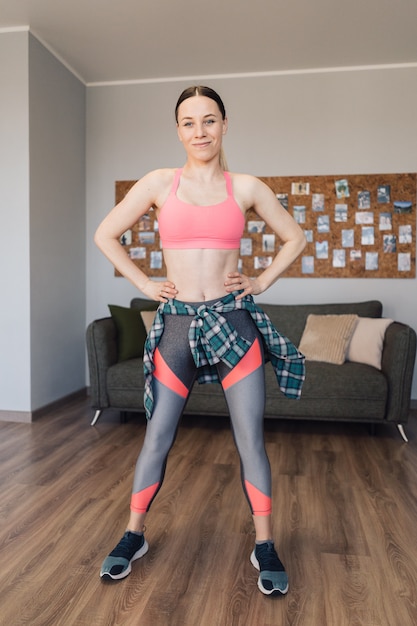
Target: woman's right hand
[159, 291]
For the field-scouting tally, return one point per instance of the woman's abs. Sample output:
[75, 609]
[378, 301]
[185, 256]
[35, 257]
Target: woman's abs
[200, 274]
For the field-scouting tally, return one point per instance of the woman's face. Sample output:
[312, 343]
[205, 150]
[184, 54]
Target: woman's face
[201, 127]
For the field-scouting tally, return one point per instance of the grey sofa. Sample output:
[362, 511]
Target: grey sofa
[348, 392]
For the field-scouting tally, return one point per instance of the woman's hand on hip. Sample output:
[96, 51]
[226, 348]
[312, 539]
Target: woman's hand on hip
[160, 291]
[236, 281]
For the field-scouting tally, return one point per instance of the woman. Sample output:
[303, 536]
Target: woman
[207, 326]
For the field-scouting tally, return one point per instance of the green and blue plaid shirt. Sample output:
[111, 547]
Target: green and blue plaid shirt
[212, 339]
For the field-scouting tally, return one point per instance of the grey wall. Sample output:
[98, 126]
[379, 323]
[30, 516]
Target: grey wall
[57, 227]
[42, 234]
[321, 123]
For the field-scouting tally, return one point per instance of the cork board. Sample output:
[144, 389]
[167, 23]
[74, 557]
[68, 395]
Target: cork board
[357, 226]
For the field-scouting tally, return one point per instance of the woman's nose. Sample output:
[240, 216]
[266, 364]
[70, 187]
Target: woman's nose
[200, 130]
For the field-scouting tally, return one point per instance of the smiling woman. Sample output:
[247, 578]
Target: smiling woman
[207, 325]
[211, 118]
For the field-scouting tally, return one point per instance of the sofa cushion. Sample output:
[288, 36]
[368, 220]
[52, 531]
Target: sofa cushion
[148, 318]
[368, 340]
[326, 337]
[351, 391]
[125, 382]
[131, 332]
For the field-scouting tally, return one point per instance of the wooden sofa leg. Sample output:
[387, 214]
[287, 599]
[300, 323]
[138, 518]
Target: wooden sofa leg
[96, 416]
[402, 432]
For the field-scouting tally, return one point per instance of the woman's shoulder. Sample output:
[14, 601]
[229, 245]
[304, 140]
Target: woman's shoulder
[160, 176]
[153, 187]
[245, 181]
[157, 181]
[247, 188]
[157, 184]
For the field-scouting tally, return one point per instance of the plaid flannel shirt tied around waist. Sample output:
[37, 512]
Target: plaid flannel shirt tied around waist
[212, 339]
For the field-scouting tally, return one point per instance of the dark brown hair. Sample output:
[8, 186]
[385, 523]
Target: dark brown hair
[200, 90]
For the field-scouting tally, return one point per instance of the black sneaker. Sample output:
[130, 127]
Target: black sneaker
[119, 562]
[273, 579]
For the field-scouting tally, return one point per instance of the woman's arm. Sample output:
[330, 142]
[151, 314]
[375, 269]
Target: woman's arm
[263, 200]
[144, 194]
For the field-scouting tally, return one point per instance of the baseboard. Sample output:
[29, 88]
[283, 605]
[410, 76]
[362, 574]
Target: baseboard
[27, 417]
[24, 417]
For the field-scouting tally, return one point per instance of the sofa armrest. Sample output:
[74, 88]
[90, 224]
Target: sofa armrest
[102, 353]
[398, 359]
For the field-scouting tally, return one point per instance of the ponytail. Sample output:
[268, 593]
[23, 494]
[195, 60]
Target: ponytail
[223, 161]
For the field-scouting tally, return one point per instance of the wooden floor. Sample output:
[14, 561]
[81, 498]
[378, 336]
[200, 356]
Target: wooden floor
[345, 518]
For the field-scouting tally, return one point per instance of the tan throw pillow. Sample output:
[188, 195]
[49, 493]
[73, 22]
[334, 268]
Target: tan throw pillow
[326, 337]
[368, 340]
[148, 318]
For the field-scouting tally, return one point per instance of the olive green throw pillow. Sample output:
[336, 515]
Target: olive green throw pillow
[131, 332]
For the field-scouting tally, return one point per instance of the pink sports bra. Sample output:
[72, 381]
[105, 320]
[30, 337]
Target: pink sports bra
[184, 226]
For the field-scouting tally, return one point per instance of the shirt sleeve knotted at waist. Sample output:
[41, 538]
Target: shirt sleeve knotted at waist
[213, 339]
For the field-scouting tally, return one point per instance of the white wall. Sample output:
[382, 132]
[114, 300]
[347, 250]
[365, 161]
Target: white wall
[14, 225]
[320, 123]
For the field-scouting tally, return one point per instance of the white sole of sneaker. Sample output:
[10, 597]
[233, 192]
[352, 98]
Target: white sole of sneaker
[141, 552]
[266, 592]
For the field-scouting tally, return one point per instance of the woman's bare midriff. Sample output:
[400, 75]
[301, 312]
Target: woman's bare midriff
[200, 274]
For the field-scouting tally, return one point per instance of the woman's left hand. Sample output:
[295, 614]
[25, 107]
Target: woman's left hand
[237, 282]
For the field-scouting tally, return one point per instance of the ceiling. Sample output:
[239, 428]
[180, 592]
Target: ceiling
[123, 40]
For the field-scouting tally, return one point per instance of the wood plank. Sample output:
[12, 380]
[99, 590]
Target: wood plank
[345, 505]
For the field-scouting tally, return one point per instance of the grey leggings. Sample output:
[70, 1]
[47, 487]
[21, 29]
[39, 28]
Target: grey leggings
[245, 395]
